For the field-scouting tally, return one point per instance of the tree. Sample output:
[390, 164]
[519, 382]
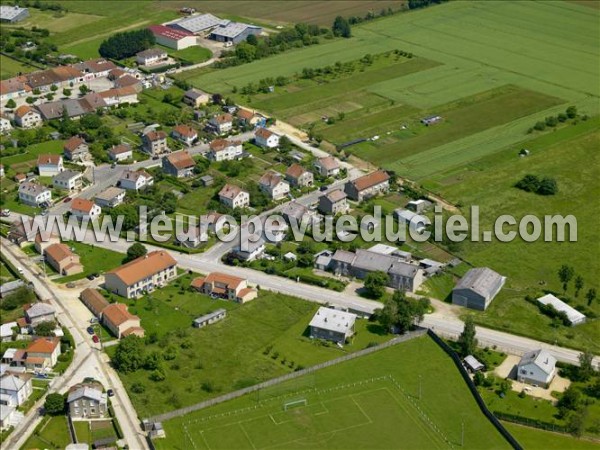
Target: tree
[571, 112]
[83, 89]
[252, 40]
[590, 296]
[375, 284]
[569, 401]
[565, 274]
[548, 186]
[11, 104]
[529, 183]
[578, 284]
[400, 313]
[126, 44]
[245, 52]
[30, 100]
[479, 378]
[128, 212]
[54, 88]
[341, 27]
[54, 404]
[130, 354]
[135, 251]
[586, 369]
[45, 328]
[67, 92]
[466, 340]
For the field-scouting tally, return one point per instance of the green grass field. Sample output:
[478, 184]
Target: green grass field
[535, 439]
[10, 67]
[355, 404]
[257, 341]
[94, 260]
[52, 434]
[475, 48]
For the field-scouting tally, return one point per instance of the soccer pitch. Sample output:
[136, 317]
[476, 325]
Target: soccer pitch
[351, 415]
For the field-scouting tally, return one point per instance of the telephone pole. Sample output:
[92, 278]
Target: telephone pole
[462, 434]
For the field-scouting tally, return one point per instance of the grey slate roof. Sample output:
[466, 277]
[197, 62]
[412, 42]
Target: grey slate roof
[481, 280]
[343, 256]
[541, 358]
[372, 261]
[403, 269]
[210, 316]
[66, 175]
[85, 392]
[39, 309]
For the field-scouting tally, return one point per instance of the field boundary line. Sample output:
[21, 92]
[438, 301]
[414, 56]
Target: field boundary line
[290, 376]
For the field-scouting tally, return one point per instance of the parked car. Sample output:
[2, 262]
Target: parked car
[323, 188]
[90, 330]
[67, 200]
[110, 393]
[94, 320]
[96, 339]
[90, 276]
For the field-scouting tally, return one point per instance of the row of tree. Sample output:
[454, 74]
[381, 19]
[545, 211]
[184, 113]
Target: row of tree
[567, 273]
[126, 44]
[538, 185]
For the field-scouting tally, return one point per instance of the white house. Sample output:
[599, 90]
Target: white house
[15, 389]
[5, 125]
[266, 138]
[49, 165]
[185, 134]
[221, 124]
[332, 325]
[328, 166]
[135, 180]
[234, 196]
[120, 152]
[223, 150]
[273, 185]
[69, 180]
[151, 56]
[34, 194]
[27, 117]
[111, 197]
[537, 367]
[85, 209]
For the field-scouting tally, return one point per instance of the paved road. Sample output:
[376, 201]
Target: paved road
[88, 360]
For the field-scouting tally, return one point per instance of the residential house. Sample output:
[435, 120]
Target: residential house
[229, 287]
[172, 38]
[62, 259]
[94, 301]
[13, 88]
[294, 212]
[27, 117]
[44, 239]
[210, 318]
[87, 401]
[328, 166]
[207, 180]
[76, 149]
[185, 134]
[120, 95]
[42, 353]
[142, 275]
[368, 186]
[334, 202]
[212, 221]
[266, 138]
[404, 276]
[95, 68]
[34, 194]
[537, 368]
[234, 196]
[85, 209]
[419, 205]
[477, 288]
[135, 180]
[111, 197]
[121, 152]
[15, 389]
[39, 312]
[5, 125]
[69, 180]
[193, 237]
[120, 321]
[298, 176]
[332, 325]
[575, 317]
[20, 178]
[155, 142]
[195, 98]
[225, 150]
[272, 184]
[179, 164]
[10, 286]
[49, 165]
[246, 117]
[6, 329]
[221, 123]
[250, 252]
[151, 56]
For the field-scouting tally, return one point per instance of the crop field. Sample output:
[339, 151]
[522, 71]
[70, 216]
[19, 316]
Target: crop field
[354, 404]
[544, 53]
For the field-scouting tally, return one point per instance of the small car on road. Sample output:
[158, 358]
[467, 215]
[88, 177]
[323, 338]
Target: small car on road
[96, 339]
[90, 330]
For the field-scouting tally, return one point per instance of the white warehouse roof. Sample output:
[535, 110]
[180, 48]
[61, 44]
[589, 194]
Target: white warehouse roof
[333, 320]
[575, 317]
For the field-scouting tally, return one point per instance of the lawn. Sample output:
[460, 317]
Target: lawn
[570, 156]
[474, 48]
[257, 341]
[10, 68]
[94, 260]
[192, 55]
[373, 414]
[52, 433]
[536, 439]
[91, 431]
[30, 154]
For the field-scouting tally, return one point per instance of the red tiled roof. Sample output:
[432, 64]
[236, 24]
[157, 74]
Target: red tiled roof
[43, 345]
[83, 205]
[144, 267]
[184, 130]
[49, 159]
[116, 314]
[263, 133]
[295, 170]
[59, 252]
[170, 33]
[370, 180]
[181, 160]
[73, 143]
[230, 191]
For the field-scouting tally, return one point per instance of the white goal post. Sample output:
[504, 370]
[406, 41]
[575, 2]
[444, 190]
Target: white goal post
[295, 403]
